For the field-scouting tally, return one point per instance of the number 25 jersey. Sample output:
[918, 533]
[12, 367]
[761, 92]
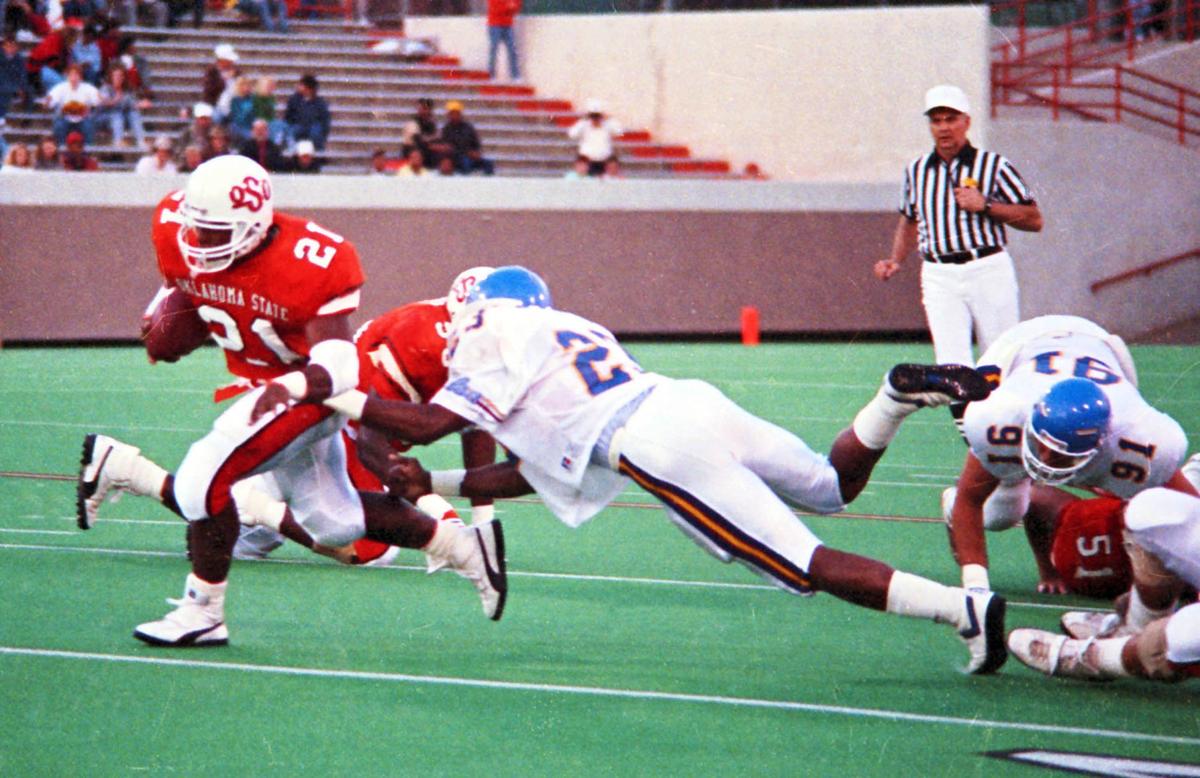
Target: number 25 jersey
[258, 307]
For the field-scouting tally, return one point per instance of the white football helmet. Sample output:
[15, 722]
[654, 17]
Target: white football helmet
[229, 193]
[456, 299]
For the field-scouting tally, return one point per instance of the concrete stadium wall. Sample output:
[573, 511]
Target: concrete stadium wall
[642, 257]
[830, 95]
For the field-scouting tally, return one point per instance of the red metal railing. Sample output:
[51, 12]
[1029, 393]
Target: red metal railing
[1108, 93]
[1144, 270]
[1050, 68]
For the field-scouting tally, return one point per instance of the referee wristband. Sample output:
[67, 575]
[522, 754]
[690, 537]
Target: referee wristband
[447, 483]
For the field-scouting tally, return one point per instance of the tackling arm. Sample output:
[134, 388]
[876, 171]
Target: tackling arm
[478, 450]
[333, 362]
[420, 424]
[967, 542]
[409, 479]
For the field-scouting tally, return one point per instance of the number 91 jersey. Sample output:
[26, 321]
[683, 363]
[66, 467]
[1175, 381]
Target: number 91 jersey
[258, 307]
[1144, 446]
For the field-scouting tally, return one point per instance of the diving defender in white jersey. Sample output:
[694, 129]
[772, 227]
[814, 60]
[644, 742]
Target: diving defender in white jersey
[1066, 411]
[582, 417]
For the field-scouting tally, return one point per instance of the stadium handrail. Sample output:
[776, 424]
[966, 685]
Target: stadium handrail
[1144, 270]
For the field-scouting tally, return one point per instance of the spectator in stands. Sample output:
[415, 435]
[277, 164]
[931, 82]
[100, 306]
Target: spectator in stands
[462, 141]
[421, 132]
[17, 160]
[266, 106]
[501, 14]
[446, 166]
[86, 52]
[260, 148]
[198, 133]
[14, 83]
[121, 108]
[414, 166]
[240, 119]
[21, 16]
[47, 61]
[305, 159]
[596, 134]
[73, 102]
[76, 157]
[47, 156]
[579, 169]
[220, 75]
[151, 13]
[193, 157]
[307, 113]
[84, 10]
[380, 165]
[176, 9]
[612, 167]
[159, 162]
[272, 14]
[218, 142]
[137, 70]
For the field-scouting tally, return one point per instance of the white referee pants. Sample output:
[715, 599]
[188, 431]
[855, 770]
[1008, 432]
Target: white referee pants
[727, 478]
[979, 297]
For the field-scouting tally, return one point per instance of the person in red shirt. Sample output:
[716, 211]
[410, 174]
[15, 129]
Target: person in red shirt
[501, 14]
[76, 157]
[276, 292]
[1078, 543]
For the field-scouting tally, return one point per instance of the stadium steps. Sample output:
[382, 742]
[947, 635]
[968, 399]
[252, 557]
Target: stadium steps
[371, 97]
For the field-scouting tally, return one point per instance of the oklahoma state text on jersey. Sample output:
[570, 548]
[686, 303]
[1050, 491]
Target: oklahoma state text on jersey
[258, 307]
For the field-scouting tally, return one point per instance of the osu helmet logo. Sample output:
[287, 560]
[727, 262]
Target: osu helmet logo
[251, 194]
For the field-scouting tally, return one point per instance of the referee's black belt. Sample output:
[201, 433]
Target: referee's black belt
[963, 257]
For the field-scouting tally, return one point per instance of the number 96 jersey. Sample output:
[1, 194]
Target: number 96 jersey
[1144, 446]
[258, 307]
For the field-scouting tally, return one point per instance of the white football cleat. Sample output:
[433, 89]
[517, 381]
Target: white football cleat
[477, 554]
[102, 475]
[1085, 625]
[1057, 655]
[984, 632]
[931, 386]
[197, 621]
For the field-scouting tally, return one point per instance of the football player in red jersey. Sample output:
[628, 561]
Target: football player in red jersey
[276, 291]
[400, 357]
[1078, 543]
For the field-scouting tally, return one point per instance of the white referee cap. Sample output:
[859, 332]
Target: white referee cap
[946, 96]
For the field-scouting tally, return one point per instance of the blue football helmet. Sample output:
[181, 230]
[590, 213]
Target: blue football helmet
[1067, 427]
[512, 282]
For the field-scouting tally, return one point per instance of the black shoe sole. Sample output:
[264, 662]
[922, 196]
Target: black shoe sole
[993, 626]
[84, 489]
[498, 578]
[959, 382]
[189, 640]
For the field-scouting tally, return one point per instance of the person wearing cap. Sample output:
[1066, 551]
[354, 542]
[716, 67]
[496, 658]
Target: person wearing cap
[307, 114]
[957, 204]
[220, 75]
[305, 159]
[75, 157]
[421, 133]
[199, 132]
[462, 142]
[501, 15]
[596, 134]
[160, 162]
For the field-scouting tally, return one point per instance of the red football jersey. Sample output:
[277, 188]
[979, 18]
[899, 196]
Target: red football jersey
[1088, 550]
[400, 354]
[257, 308]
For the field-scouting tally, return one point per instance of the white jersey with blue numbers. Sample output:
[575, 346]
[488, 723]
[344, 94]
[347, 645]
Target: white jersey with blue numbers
[544, 383]
[1144, 446]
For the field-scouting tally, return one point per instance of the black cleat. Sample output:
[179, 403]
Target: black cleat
[936, 385]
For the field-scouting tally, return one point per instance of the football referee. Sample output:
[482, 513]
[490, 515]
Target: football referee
[958, 200]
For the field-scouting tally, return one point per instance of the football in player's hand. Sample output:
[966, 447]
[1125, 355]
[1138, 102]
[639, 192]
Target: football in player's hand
[173, 329]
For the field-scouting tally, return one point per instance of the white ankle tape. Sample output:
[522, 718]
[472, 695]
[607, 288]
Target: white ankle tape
[879, 421]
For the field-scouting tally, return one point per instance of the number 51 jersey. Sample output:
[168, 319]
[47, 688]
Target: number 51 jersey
[1144, 446]
[258, 307]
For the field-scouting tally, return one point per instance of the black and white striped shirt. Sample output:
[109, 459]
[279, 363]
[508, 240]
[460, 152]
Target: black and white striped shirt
[942, 226]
